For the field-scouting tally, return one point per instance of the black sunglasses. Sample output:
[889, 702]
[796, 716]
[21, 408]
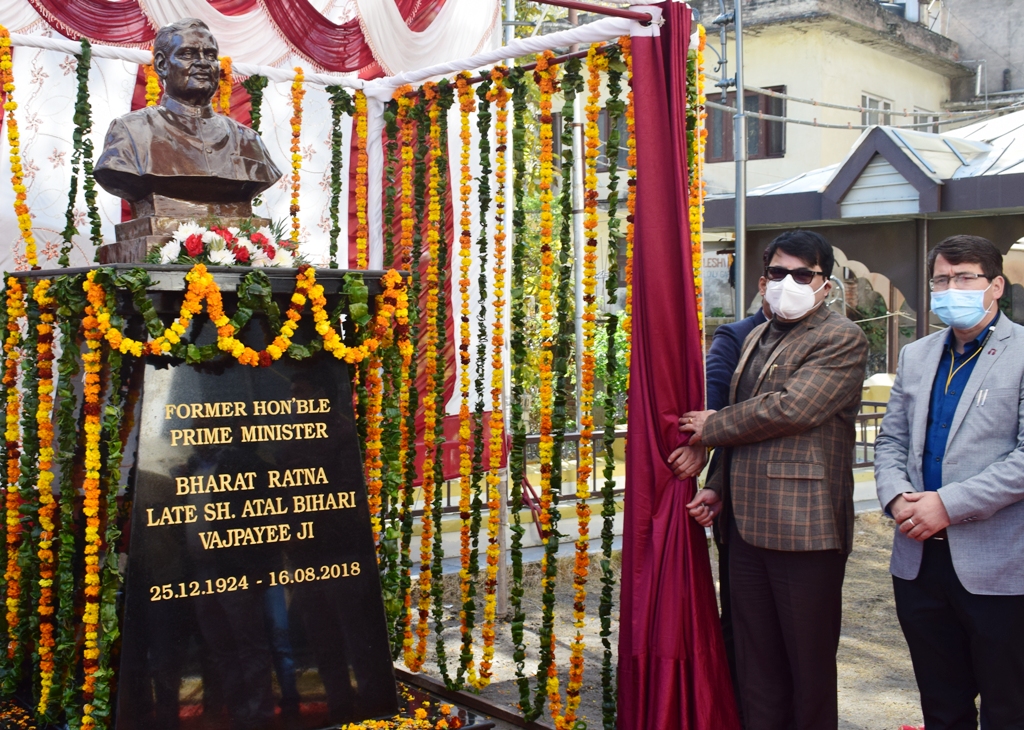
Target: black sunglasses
[800, 276]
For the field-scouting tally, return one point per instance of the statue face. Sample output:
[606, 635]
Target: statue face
[190, 69]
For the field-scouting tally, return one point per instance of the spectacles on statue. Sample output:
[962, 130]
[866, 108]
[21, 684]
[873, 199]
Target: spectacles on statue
[800, 276]
[962, 281]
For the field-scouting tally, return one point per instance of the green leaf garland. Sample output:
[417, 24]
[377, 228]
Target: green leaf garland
[255, 85]
[517, 454]
[446, 97]
[71, 298]
[392, 182]
[616, 109]
[81, 160]
[341, 103]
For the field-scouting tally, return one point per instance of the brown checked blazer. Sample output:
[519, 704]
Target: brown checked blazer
[788, 472]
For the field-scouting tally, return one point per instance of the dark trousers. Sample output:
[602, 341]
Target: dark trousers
[962, 645]
[786, 612]
[725, 597]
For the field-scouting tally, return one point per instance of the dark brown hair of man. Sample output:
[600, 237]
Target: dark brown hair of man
[968, 250]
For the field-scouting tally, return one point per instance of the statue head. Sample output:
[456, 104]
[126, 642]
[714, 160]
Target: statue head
[185, 59]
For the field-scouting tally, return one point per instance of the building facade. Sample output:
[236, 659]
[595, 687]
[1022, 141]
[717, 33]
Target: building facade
[854, 53]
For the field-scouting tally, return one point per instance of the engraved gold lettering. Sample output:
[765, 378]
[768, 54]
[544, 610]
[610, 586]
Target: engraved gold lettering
[297, 477]
[201, 436]
[264, 507]
[215, 511]
[223, 409]
[323, 502]
[283, 432]
[181, 514]
[241, 536]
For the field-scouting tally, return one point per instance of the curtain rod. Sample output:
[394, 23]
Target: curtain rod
[598, 9]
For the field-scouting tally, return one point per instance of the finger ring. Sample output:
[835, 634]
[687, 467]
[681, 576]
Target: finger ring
[911, 521]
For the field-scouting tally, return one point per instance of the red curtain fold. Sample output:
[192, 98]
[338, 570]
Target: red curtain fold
[120, 23]
[332, 46]
[672, 667]
[233, 7]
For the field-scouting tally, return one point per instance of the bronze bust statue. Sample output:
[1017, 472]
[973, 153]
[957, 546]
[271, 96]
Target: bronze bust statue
[181, 148]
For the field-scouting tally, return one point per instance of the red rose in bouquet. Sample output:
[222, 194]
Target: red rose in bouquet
[194, 244]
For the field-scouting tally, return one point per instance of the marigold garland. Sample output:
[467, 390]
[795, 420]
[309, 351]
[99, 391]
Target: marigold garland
[392, 305]
[430, 372]
[467, 105]
[500, 96]
[415, 164]
[298, 91]
[12, 436]
[439, 166]
[546, 77]
[697, 137]
[427, 537]
[625, 43]
[14, 140]
[91, 359]
[597, 63]
[362, 188]
[152, 85]
[403, 96]
[202, 287]
[224, 86]
[616, 109]
[47, 505]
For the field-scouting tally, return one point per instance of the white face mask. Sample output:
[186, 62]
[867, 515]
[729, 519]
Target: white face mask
[790, 300]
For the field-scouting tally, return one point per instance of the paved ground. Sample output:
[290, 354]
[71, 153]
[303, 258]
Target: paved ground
[876, 684]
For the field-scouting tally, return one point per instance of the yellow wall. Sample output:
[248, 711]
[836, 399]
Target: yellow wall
[814, 63]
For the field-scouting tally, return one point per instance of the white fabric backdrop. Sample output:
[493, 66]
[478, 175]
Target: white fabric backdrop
[460, 29]
[249, 37]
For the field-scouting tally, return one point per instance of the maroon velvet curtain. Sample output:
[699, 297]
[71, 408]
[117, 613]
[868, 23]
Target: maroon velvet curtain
[121, 23]
[672, 667]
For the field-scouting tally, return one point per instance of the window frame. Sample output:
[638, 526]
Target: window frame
[770, 136]
[924, 116]
[882, 114]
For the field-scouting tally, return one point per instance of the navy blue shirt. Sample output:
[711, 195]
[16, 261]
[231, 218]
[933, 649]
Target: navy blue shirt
[945, 398]
[724, 356]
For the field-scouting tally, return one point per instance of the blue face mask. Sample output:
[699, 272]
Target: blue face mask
[960, 308]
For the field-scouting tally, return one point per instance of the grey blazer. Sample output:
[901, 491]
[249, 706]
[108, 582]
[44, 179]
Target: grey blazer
[983, 469]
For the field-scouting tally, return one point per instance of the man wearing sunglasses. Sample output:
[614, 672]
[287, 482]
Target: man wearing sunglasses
[784, 492]
[949, 468]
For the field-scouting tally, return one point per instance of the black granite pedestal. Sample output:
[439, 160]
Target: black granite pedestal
[252, 597]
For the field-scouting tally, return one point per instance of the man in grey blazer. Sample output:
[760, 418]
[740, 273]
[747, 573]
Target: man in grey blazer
[949, 468]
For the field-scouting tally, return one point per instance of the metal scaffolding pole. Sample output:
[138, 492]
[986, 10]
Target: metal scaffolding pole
[740, 154]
